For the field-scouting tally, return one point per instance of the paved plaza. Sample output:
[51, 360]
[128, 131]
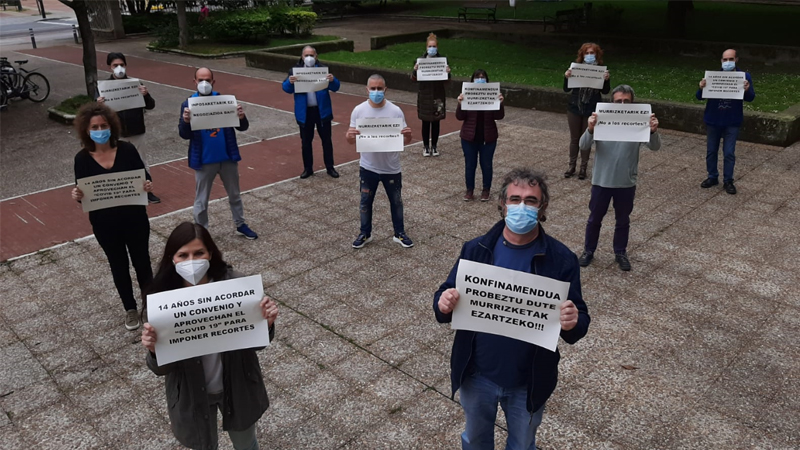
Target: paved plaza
[697, 347]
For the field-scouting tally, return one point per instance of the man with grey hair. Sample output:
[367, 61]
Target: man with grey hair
[313, 109]
[616, 167]
[489, 369]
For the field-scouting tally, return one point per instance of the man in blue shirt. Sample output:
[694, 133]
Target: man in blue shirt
[313, 109]
[490, 369]
[213, 152]
[723, 117]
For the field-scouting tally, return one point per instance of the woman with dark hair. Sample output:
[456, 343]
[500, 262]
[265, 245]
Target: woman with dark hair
[119, 230]
[196, 387]
[582, 103]
[431, 100]
[478, 140]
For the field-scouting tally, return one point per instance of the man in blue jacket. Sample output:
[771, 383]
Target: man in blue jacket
[723, 117]
[213, 152]
[310, 109]
[491, 369]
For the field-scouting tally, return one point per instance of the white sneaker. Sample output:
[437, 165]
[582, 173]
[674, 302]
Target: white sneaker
[434, 152]
[132, 320]
[426, 151]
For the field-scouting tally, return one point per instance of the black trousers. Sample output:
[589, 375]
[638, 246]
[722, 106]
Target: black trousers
[117, 242]
[430, 131]
[307, 135]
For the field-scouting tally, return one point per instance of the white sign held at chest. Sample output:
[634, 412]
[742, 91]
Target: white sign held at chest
[310, 79]
[586, 76]
[379, 135]
[724, 85]
[431, 69]
[623, 122]
[114, 189]
[208, 318]
[509, 303]
[120, 95]
[213, 111]
[480, 96]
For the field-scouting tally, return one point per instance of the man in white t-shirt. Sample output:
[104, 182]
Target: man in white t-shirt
[379, 167]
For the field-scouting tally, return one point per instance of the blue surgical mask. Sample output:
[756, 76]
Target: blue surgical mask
[100, 136]
[728, 65]
[480, 80]
[521, 218]
[589, 59]
[432, 51]
[376, 96]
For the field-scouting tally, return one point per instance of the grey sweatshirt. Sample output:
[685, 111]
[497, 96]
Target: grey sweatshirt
[616, 164]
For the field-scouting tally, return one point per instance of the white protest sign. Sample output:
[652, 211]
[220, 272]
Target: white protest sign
[379, 135]
[208, 318]
[509, 303]
[480, 96]
[113, 189]
[622, 122]
[586, 76]
[728, 85]
[431, 69]
[120, 95]
[213, 111]
[310, 79]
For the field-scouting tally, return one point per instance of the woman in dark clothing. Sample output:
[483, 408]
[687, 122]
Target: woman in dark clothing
[478, 140]
[431, 101]
[119, 230]
[229, 381]
[582, 103]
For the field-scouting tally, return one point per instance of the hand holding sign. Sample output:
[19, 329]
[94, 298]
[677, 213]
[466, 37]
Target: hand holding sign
[213, 111]
[623, 122]
[569, 315]
[448, 301]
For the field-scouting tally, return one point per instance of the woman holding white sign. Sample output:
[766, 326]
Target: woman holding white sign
[478, 140]
[582, 103]
[196, 387]
[431, 100]
[120, 230]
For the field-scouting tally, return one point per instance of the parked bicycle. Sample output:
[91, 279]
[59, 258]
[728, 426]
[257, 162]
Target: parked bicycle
[21, 83]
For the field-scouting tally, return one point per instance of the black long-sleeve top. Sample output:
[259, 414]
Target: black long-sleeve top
[585, 109]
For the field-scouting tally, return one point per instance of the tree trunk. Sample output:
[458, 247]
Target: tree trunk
[131, 7]
[89, 53]
[116, 19]
[677, 12]
[183, 25]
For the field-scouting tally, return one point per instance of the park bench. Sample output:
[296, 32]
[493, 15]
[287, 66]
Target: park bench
[569, 18]
[7, 3]
[481, 9]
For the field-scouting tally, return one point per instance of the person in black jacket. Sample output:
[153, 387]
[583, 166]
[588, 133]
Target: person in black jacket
[131, 120]
[431, 100]
[487, 368]
[582, 103]
[120, 230]
[196, 387]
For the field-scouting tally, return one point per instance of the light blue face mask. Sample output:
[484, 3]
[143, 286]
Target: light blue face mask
[589, 59]
[432, 51]
[480, 80]
[728, 65]
[521, 218]
[100, 136]
[376, 96]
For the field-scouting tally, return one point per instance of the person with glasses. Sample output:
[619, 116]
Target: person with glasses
[616, 167]
[489, 369]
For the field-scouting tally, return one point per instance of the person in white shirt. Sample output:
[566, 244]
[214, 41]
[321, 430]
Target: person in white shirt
[379, 167]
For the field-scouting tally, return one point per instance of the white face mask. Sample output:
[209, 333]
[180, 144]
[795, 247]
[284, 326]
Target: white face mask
[310, 61]
[192, 270]
[119, 71]
[204, 87]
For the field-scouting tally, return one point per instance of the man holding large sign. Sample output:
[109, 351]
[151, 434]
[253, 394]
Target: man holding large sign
[491, 368]
[616, 168]
[723, 117]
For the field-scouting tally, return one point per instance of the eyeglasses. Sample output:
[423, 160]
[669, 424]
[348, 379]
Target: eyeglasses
[529, 201]
[624, 100]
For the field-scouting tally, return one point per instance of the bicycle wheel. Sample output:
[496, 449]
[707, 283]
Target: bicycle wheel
[37, 87]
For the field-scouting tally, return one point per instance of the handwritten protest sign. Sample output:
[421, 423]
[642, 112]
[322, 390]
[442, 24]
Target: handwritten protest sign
[208, 318]
[431, 69]
[509, 303]
[379, 135]
[310, 79]
[622, 122]
[213, 111]
[480, 96]
[586, 76]
[114, 189]
[120, 95]
[728, 85]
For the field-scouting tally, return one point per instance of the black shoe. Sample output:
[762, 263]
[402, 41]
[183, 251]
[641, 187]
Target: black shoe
[152, 198]
[332, 172]
[582, 174]
[586, 258]
[569, 173]
[306, 173]
[623, 261]
[729, 187]
[708, 182]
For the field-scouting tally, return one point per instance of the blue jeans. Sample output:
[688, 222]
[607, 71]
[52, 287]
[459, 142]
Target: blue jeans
[728, 136]
[479, 398]
[392, 184]
[472, 152]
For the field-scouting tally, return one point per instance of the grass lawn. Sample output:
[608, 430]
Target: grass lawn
[653, 76]
[214, 48]
[713, 21]
[73, 104]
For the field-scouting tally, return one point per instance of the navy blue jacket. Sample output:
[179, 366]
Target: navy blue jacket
[556, 262]
[301, 100]
[722, 112]
[196, 139]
